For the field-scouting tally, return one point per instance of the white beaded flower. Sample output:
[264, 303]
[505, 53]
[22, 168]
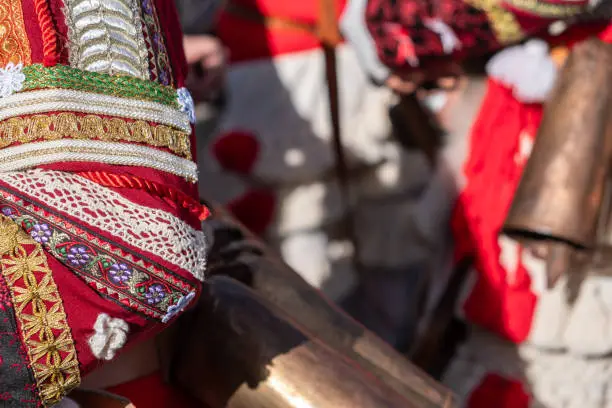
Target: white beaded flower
[178, 307]
[11, 79]
[186, 103]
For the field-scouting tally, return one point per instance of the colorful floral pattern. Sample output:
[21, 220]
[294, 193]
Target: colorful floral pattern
[117, 274]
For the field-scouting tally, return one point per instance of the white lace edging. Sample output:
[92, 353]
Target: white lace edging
[147, 229]
[32, 154]
[66, 100]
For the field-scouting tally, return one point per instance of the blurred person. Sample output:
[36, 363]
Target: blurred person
[527, 346]
[274, 152]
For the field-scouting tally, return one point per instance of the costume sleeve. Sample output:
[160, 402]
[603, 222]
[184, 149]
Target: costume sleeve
[354, 28]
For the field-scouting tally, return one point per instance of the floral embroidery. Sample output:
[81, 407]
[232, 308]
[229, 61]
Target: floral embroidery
[178, 307]
[150, 290]
[40, 312]
[40, 232]
[186, 103]
[14, 43]
[11, 79]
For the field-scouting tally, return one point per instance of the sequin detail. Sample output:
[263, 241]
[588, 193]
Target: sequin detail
[35, 154]
[123, 276]
[40, 313]
[123, 86]
[106, 36]
[68, 125]
[14, 43]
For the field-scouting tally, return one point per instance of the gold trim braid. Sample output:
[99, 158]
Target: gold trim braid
[506, 27]
[92, 127]
[40, 313]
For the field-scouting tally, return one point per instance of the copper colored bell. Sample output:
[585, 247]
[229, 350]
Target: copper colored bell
[562, 188]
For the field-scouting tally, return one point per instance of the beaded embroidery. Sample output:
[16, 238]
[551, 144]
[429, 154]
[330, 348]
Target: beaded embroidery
[160, 62]
[15, 46]
[106, 36]
[30, 155]
[142, 228]
[118, 274]
[506, 27]
[64, 77]
[40, 312]
[62, 100]
[92, 127]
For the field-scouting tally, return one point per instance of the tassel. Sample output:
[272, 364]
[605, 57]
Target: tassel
[589, 329]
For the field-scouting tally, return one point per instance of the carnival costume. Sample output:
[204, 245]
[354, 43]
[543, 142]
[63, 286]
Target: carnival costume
[100, 238]
[529, 346]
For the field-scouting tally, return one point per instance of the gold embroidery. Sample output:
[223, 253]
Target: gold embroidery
[92, 127]
[40, 312]
[504, 23]
[547, 10]
[14, 43]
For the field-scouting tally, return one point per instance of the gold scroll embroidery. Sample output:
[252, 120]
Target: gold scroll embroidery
[14, 43]
[40, 313]
[92, 127]
[547, 10]
[506, 27]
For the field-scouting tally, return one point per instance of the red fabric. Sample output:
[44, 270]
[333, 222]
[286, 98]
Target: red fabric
[236, 151]
[496, 391]
[136, 195]
[492, 177]
[33, 30]
[59, 20]
[152, 392]
[83, 305]
[171, 28]
[249, 40]
[493, 174]
[255, 210]
[401, 35]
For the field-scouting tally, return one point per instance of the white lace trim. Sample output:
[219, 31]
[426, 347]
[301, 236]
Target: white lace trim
[33, 154]
[147, 229]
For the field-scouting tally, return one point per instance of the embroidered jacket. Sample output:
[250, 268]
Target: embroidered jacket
[100, 237]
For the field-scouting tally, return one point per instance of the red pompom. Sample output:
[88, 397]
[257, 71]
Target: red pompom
[499, 392]
[236, 151]
[255, 209]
